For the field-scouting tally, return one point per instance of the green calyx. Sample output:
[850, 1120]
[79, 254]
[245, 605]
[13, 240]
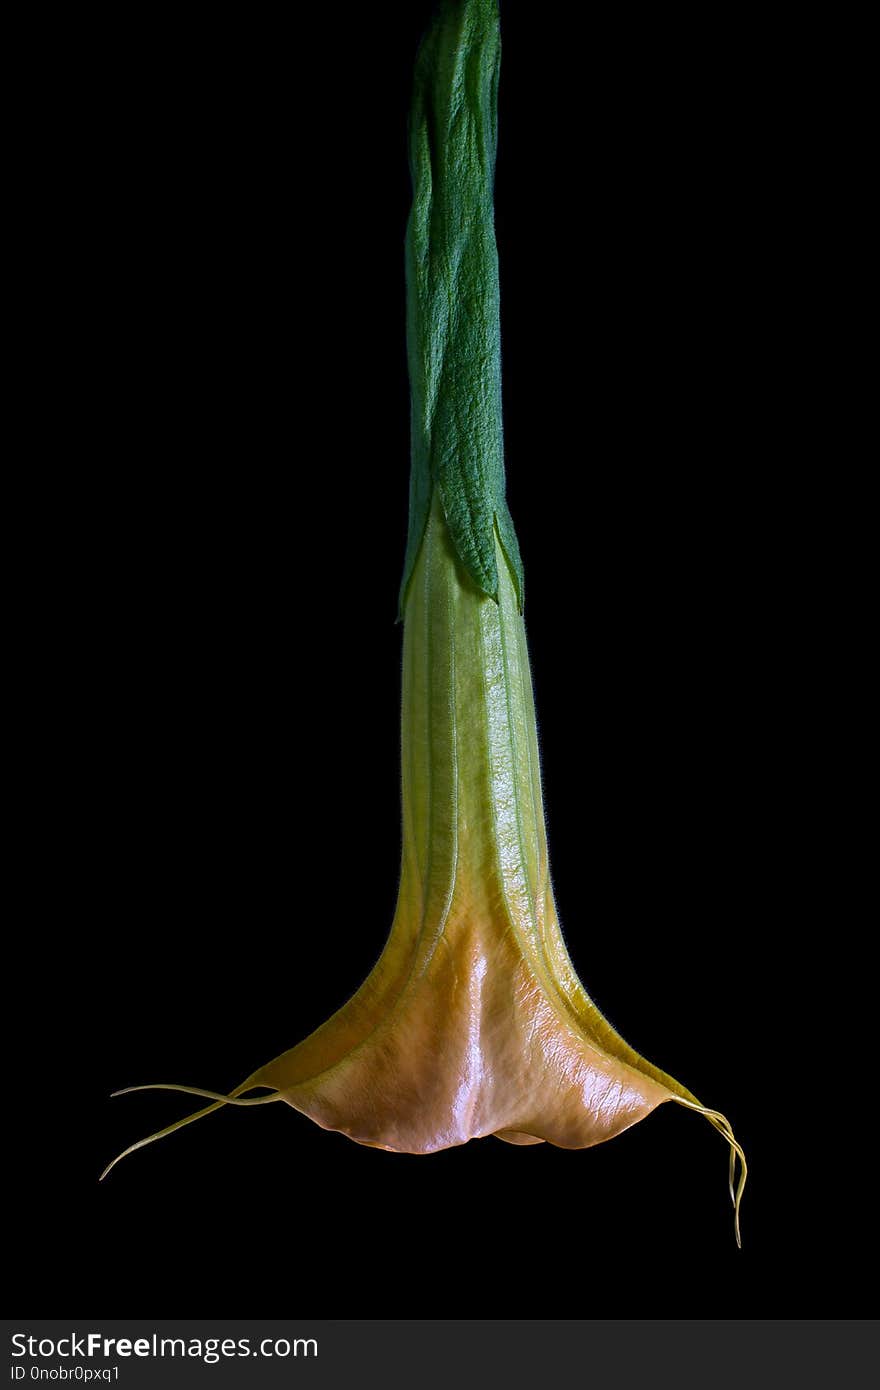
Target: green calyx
[453, 329]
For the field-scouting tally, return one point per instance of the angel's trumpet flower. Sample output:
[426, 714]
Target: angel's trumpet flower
[473, 1021]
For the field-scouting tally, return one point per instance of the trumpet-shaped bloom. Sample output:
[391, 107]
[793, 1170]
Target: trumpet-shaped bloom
[473, 1021]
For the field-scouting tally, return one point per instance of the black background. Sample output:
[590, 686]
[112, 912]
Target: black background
[228, 212]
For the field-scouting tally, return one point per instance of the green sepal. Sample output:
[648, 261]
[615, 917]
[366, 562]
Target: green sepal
[453, 325]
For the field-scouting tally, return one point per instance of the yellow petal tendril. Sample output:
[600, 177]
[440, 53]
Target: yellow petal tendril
[233, 1098]
[723, 1126]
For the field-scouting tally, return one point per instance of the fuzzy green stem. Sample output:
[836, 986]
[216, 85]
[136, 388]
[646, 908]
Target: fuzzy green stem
[453, 324]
